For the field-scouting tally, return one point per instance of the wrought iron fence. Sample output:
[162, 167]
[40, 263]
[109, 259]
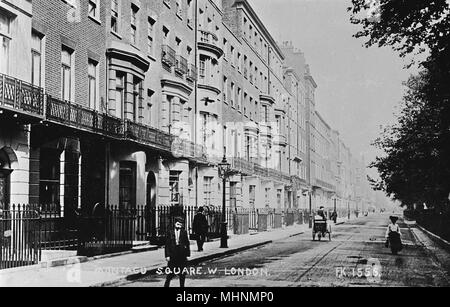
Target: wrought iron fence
[27, 230]
[241, 221]
[19, 237]
[153, 223]
[57, 231]
[106, 231]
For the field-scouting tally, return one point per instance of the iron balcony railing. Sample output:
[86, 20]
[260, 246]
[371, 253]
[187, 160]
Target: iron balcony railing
[208, 37]
[77, 116]
[168, 55]
[260, 170]
[147, 135]
[21, 96]
[181, 65]
[188, 149]
[272, 173]
[243, 166]
[183, 148]
[324, 184]
[192, 73]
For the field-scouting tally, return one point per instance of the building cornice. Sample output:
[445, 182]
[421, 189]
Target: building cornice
[217, 51]
[260, 24]
[209, 88]
[267, 98]
[165, 82]
[123, 51]
[311, 79]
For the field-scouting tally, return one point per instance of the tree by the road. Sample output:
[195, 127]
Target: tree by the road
[416, 166]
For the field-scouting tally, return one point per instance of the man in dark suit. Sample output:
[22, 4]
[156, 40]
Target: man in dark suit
[200, 228]
[177, 251]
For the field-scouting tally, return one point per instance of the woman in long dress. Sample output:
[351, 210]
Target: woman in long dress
[393, 236]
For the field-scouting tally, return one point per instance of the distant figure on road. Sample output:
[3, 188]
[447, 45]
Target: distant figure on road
[321, 212]
[393, 236]
[200, 228]
[177, 251]
[334, 216]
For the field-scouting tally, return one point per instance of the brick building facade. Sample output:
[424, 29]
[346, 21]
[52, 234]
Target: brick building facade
[144, 98]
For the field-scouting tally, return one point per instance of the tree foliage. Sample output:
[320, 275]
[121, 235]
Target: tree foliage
[406, 25]
[415, 168]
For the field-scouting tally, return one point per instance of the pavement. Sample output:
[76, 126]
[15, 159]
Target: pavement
[113, 270]
[356, 256]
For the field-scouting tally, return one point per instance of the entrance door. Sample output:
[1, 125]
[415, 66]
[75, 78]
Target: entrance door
[150, 208]
[4, 189]
[127, 185]
[233, 193]
[5, 171]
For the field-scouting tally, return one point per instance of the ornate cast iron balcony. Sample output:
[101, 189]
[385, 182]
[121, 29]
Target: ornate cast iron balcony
[168, 55]
[192, 73]
[210, 42]
[148, 135]
[77, 116]
[187, 149]
[242, 166]
[208, 37]
[181, 65]
[22, 97]
[260, 170]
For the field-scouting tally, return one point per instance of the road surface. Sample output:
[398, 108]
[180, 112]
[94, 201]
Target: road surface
[356, 256]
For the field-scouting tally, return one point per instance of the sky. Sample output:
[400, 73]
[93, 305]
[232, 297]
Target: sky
[359, 88]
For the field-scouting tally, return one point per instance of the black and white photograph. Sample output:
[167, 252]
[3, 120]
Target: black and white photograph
[224, 144]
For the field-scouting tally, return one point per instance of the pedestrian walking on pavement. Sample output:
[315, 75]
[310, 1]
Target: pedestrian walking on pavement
[393, 236]
[200, 228]
[177, 252]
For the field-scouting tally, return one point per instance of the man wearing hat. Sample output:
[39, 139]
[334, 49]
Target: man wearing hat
[200, 228]
[321, 212]
[177, 251]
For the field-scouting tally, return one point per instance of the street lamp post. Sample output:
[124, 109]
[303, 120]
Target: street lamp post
[310, 209]
[224, 171]
[348, 208]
